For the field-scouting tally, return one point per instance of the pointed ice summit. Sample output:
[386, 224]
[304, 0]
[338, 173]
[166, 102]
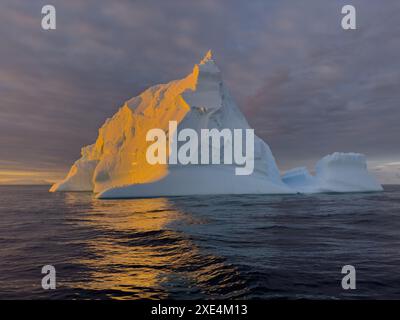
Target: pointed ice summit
[115, 166]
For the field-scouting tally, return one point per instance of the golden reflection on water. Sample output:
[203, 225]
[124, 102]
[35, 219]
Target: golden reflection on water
[134, 251]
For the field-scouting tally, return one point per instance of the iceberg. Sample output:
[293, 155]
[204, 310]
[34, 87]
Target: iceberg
[115, 166]
[338, 172]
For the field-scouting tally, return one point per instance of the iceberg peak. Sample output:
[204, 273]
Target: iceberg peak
[208, 57]
[206, 67]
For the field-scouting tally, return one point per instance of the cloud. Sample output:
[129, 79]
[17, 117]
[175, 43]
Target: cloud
[335, 93]
[387, 172]
[308, 87]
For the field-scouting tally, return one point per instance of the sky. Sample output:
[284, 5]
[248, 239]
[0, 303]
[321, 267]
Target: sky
[307, 86]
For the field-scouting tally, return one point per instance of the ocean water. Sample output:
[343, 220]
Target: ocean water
[229, 247]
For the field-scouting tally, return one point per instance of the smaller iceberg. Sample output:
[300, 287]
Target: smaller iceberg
[338, 172]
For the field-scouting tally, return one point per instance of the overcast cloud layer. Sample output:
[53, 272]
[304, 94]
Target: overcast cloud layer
[308, 87]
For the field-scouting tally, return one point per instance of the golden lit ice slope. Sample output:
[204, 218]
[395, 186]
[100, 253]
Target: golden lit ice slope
[117, 160]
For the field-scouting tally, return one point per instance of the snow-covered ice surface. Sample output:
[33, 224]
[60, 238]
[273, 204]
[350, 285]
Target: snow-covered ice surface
[115, 166]
[338, 172]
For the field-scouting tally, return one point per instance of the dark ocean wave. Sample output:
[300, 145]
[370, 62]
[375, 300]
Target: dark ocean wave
[229, 247]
